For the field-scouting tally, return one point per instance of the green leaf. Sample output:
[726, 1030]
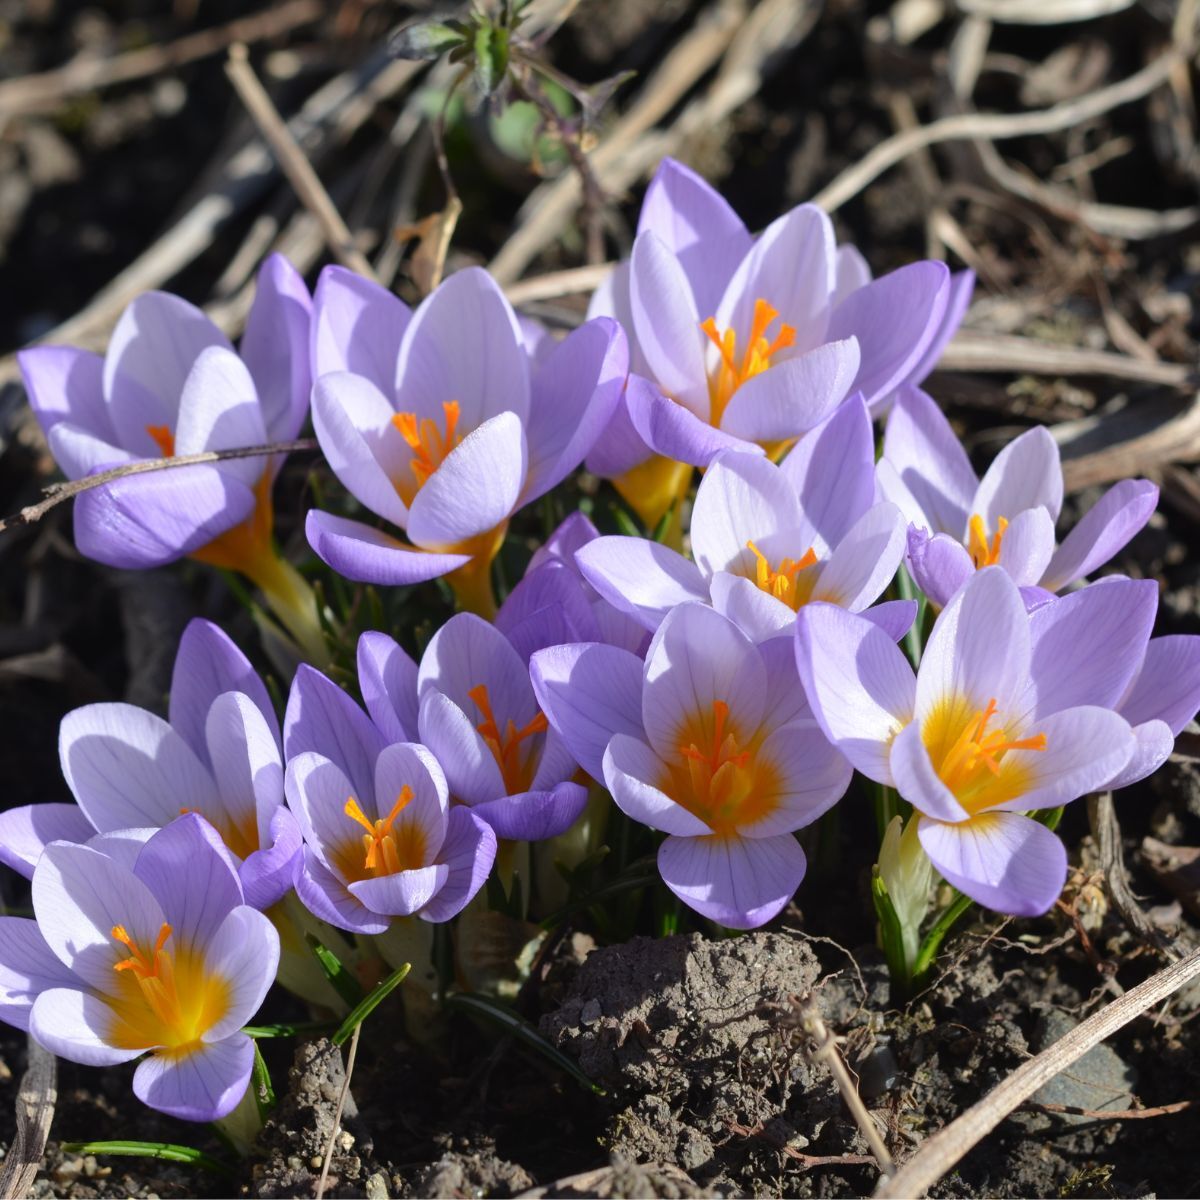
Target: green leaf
[927, 954]
[516, 1025]
[167, 1151]
[260, 1085]
[890, 935]
[342, 980]
[369, 1003]
[639, 874]
[1050, 817]
[424, 41]
[625, 523]
[294, 1029]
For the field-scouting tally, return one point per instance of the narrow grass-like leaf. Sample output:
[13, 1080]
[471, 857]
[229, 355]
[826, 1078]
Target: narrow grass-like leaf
[367, 1005]
[341, 980]
[511, 1022]
[261, 1086]
[284, 1029]
[641, 873]
[167, 1151]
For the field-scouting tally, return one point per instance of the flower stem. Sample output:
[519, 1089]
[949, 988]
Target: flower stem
[291, 598]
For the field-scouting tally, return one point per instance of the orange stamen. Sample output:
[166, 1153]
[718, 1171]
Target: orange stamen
[506, 746]
[378, 841]
[430, 445]
[977, 748]
[732, 372]
[983, 553]
[143, 965]
[164, 439]
[782, 584]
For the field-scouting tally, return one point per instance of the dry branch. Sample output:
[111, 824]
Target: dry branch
[58, 492]
[47, 91]
[293, 162]
[35, 1112]
[945, 1148]
[995, 127]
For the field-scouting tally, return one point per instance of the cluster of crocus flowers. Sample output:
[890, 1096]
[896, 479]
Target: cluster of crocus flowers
[721, 689]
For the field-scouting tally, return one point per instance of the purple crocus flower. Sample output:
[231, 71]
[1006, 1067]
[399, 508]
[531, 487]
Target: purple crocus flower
[960, 523]
[1154, 683]
[741, 342]
[171, 383]
[438, 421]
[983, 734]
[480, 718]
[554, 604]
[381, 840]
[709, 741]
[769, 539]
[218, 755]
[143, 949]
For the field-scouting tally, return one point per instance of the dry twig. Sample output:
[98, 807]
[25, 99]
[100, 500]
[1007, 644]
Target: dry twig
[58, 492]
[293, 162]
[946, 1147]
[1107, 1114]
[47, 91]
[35, 1112]
[337, 1112]
[995, 126]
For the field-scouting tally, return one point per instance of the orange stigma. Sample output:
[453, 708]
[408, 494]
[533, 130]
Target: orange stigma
[977, 748]
[382, 856]
[143, 965]
[783, 584]
[506, 747]
[983, 553]
[430, 445]
[164, 439]
[732, 372]
[718, 777]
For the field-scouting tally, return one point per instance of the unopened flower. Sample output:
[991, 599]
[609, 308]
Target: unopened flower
[709, 741]
[960, 523]
[983, 734]
[769, 539]
[438, 421]
[171, 383]
[381, 840]
[554, 604]
[143, 950]
[218, 755]
[741, 342]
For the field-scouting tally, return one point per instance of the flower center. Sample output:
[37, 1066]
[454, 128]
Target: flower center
[756, 358]
[387, 850]
[516, 769]
[430, 445]
[973, 767]
[984, 553]
[786, 583]
[164, 439]
[718, 778]
[165, 1000]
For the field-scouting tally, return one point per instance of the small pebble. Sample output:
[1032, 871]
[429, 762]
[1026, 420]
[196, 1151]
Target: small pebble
[590, 1013]
[376, 1186]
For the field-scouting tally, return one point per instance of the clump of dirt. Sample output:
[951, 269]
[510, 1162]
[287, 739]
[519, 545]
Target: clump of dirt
[297, 1134]
[478, 1172]
[698, 1043]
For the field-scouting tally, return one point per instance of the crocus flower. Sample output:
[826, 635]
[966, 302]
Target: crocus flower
[143, 949]
[479, 717]
[217, 755]
[381, 840]
[960, 523]
[740, 342]
[769, 539]
[709, 741]
[553, 603]
[1154, 683]
[983, 734]
[171, 383]
[438, 421]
